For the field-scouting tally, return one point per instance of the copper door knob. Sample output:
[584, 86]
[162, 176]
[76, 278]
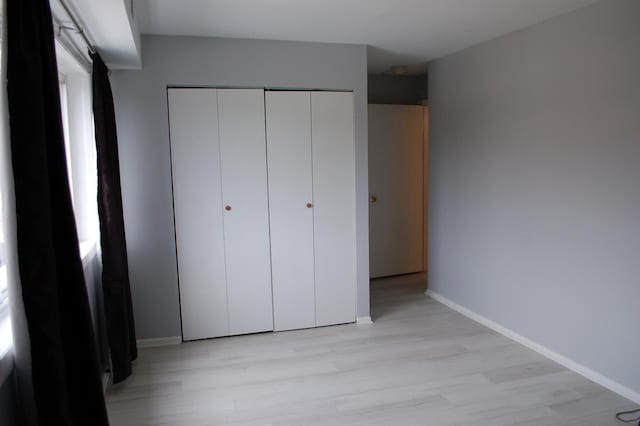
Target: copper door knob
[309, 205]
[227, 208]
[373, 199]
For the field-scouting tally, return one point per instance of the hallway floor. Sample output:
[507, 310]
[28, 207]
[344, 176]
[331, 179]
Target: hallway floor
[420, 363]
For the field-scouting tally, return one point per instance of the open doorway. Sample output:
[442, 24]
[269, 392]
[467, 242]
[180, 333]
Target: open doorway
[398, 117]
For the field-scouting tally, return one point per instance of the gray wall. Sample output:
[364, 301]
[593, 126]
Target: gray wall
[397, 89]
[141, 113]
[535, 184]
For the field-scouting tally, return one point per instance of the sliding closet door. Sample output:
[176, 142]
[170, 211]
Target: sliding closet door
[291, 208]
[332, 140]
[246, 217]
[197, 200]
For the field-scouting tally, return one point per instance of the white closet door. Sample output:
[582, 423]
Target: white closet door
[291, 208]
[197, 200]
[332, 140]
[246, 216]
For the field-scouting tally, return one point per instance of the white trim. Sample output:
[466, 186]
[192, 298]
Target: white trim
[542, 350]
[159, 341]
[364, 320]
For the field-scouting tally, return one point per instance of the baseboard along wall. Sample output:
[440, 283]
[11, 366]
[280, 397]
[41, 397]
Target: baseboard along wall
[364, 320]
[159, 341]
[572, 365]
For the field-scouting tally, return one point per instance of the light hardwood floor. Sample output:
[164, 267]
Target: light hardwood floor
[420, 363]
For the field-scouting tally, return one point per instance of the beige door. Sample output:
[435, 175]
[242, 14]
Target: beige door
[397, 190]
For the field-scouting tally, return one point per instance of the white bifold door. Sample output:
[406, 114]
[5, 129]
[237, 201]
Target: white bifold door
[334, 208]
[310, 152]
[219, 170]
[291, 209]
[264, 207]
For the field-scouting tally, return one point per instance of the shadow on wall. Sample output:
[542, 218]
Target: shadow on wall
[397, 89]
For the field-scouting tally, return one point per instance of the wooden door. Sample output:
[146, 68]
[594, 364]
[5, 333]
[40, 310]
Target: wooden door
[396, 187]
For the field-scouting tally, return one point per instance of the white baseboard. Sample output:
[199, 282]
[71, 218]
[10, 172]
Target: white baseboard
[542, 350]
[364, 320]
[159, 341]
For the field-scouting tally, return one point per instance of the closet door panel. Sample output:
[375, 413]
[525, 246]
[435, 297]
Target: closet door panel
[246, 217]
[291, 220]
[197, 200]
[334, 206]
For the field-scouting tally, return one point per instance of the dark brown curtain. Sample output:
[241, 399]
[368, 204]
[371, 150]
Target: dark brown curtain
[115, 270]
[66, 376]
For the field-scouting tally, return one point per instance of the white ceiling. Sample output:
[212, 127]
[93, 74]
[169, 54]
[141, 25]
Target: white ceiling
[398, 32]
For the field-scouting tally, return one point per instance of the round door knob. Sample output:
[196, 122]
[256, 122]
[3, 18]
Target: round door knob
[309, 205]
[227, 208]
[373, 199]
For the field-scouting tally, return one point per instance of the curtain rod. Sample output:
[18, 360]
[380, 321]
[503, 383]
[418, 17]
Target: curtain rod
[78, 27]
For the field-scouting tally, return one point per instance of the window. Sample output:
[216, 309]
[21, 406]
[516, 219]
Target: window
[75, 99]
[4, 291]
[64, 110]
[77, 121]
[6, 339]
[4, 150]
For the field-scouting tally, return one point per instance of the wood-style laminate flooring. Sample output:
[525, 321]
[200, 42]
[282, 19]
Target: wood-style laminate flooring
[420, 363]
